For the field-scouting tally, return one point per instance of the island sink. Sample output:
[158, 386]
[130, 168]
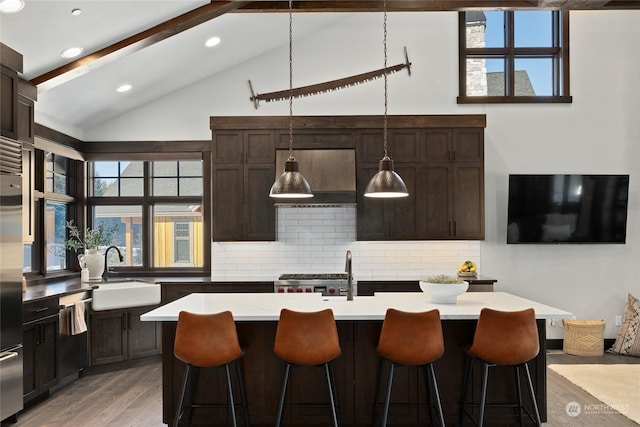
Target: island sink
[125, 294]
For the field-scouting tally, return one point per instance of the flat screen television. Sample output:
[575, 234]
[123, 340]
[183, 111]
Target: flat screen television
[567, 208]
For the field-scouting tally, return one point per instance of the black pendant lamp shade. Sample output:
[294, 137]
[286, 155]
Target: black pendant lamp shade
[386, 184]
[291, 184]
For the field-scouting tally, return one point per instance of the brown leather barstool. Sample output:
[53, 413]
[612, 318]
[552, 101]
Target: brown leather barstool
[503, 338]
[205, 341]
[307, 339]
[410, 339]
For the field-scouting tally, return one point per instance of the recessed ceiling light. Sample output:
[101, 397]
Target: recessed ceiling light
[213, 41]
[11, 6]
[76, 11]
[71, 52]
[123, 88]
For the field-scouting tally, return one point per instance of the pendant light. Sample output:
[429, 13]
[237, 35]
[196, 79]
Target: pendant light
[291, 184]
[386, 184]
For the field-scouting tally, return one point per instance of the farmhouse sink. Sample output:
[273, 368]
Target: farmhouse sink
[125, 294]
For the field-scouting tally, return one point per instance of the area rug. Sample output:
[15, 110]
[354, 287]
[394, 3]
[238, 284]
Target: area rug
[617, 386]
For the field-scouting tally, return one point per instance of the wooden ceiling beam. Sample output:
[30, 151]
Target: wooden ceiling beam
[134, 43]
[392, 6]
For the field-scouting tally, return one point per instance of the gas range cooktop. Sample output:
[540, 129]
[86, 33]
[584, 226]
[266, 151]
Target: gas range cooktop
[329, 284]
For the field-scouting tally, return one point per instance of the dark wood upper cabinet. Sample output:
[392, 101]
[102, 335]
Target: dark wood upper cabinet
[452, 184]
[242, 173]
[8, 103]
[440, 158]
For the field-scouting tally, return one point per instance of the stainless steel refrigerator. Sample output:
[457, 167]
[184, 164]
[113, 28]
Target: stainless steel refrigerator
[10, 294]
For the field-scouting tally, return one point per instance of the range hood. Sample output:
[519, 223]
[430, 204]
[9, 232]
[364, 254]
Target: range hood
[330, 172]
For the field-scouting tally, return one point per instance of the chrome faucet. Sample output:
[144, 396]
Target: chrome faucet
[348, 269]
[105, 274]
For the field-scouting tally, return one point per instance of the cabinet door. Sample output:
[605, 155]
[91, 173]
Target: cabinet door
[436, 201]
[468, 145]
[259, 147]
[228, 147]
[31, 336]
[8, 103]
[468, 201]
[437, 145]
[47, 356]
[371, 221]
[25, 112]
[404, 145]
[228, 202]
[259, 208]
[108, 336]
[404, 210]
[144, 338]
[370, 146]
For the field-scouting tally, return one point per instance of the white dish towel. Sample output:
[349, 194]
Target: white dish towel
[78, 325]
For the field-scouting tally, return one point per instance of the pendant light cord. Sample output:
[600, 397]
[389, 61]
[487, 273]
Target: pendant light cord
[290, 80]
[384, 42]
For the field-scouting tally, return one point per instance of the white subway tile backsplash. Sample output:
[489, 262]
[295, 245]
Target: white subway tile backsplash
[315, 240]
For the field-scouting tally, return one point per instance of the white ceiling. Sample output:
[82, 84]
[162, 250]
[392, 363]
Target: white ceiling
[44, 28]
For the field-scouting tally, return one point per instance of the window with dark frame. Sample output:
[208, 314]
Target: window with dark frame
[157, 209]
[514, 57]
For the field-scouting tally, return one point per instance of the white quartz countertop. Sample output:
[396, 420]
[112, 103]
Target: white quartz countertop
[267, 306]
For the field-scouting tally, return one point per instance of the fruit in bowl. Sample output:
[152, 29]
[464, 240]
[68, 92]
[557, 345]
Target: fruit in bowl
[467, 269]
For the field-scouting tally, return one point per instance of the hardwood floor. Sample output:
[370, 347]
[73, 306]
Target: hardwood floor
[133, 397]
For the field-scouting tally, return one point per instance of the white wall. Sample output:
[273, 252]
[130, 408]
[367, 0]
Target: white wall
[598, 133]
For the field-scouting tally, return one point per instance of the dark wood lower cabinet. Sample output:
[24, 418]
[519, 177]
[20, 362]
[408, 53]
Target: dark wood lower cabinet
[356, 372]
[119, 335]
[40, 364]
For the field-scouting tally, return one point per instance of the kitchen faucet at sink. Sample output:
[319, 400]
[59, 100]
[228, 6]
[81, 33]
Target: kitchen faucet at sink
[105, 275]
[348, 269]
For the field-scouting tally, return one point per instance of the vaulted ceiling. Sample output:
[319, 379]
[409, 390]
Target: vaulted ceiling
[158, 46]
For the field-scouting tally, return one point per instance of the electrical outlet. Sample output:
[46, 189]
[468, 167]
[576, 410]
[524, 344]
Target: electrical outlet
[618, 320]
[555, 322]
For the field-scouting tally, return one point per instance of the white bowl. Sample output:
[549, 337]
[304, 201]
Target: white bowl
[444, 293]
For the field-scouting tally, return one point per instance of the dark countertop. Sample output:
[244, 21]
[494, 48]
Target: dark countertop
[56, 288]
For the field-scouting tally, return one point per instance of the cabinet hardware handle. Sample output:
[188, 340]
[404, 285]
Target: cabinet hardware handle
[40, 310]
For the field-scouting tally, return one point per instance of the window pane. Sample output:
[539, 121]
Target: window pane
[165, 168]
[533, 28]
[534, 76]
[165, 186]
[131, 187]
[59, 184]
[60, 164]
[190, 186]
[485, 76]
[54, 225]
[105, 187]
[128, 231]
[48, 161]
[494, 30]
[177, 235]
[27, 256]
[130, 169]
[190, 167]
[105, 169]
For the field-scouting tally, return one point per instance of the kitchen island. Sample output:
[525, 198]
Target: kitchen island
[359, 324]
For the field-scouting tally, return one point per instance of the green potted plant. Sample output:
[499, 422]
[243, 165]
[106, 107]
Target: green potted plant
[443, 289]
[93, 238]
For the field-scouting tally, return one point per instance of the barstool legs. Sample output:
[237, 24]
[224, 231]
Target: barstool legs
[485, 375]
[431, 389]
[285, 381]
[189, 378]
[331, 384]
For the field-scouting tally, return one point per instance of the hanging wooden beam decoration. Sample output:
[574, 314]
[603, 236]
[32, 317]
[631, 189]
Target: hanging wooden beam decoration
[329, 86]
